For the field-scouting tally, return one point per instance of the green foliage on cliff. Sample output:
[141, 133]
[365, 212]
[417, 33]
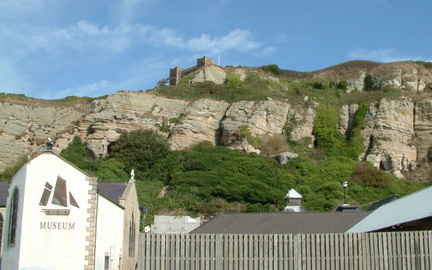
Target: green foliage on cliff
[207, 179]
[76, 153]
[273, 69]
[139, 149]
[328, 137]
[200, 178]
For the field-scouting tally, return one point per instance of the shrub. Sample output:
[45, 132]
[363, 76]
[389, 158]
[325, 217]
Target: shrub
[273, 144]
[10, 171]
[368, 83]
[273, 69]
[112, 170]
[233, 80]
[343, 85]
[76, 153]
[326, 127]
[139, 149]
[369, 176]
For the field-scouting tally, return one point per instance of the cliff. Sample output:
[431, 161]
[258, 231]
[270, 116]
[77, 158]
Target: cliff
[397, 130]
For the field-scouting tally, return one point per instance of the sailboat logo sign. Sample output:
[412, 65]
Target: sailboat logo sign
[59, 196]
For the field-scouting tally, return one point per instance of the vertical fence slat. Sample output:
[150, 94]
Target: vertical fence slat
[395, 250]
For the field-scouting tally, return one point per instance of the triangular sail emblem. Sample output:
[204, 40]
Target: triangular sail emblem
[60, 194]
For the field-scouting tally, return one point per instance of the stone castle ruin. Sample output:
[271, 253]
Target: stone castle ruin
[177, 73]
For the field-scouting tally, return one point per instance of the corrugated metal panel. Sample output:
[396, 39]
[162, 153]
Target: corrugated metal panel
[415, 206]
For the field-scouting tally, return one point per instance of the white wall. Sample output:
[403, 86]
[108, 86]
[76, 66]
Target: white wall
[175, 224]
[54, 242]
[109, 233]
[10, 256]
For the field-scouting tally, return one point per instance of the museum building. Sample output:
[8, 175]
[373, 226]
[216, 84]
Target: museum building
[57, 217]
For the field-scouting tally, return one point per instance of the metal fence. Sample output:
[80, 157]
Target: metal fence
[395, 250]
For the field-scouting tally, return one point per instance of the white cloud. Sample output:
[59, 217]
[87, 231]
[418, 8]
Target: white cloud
[384, 55]
[237, 39]
[85, 35]
[89, 90]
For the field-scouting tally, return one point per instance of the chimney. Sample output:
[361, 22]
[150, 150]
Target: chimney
[49, 144]
[293, 202]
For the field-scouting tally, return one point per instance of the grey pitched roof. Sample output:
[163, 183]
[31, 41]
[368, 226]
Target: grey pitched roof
[281, 223]
[416, 206]
[378, 204]
[4, 186]
[112, 191]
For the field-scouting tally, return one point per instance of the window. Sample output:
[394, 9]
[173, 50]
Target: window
[13, 216]
[132, 237]
[106, 263]
[1, 229]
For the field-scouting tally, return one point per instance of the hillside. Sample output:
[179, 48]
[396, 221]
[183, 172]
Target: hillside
[356, 111]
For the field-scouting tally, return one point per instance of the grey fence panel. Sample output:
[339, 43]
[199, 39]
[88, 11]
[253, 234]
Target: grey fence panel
[395, 250]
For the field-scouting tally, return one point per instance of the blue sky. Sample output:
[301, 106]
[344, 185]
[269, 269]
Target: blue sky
[56, 48]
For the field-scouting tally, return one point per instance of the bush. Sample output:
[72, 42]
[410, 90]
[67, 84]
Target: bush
[273, 69]
[9, 172]
[368, 83]
[369, 176]
[343, 85]
[326, 127]
[139, 149]
[112, 170]
[273, 144]
[76, 153]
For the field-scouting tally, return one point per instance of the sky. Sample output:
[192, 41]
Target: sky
[52, 49]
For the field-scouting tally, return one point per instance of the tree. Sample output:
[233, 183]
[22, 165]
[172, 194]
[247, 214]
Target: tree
[368, 83]
[76, 153]
[139, 149]
[112, 170]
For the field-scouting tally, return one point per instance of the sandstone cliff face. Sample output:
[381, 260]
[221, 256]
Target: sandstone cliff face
[391, 135]
[398, 133]
[25, 128]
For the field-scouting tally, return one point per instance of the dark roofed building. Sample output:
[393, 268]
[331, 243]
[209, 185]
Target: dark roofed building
[113, 191]
[282, 223]
[3, 193]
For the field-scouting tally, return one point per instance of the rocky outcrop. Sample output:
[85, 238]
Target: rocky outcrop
[397, 133]
[200, 122]
[423, 129]
[255, 118]
[406, 76]
[24, 129]
[211, 73]
[391, 136]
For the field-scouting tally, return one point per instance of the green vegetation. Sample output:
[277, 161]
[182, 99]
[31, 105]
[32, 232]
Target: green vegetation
[425, 64]
[77, 154]
[207, 179]
[368, 83]
[139, 150]
[273, 69]
[9, 172]
[328, 137]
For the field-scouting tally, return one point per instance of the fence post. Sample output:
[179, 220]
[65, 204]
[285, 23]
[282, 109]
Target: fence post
[218, 251]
